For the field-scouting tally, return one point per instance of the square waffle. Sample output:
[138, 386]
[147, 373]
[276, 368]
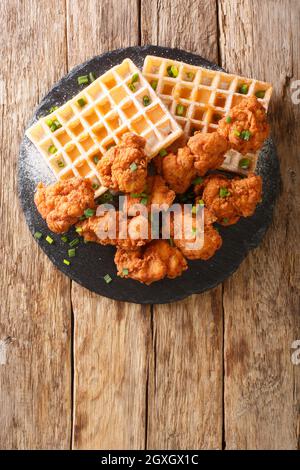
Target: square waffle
[198, 98]
[75, 136]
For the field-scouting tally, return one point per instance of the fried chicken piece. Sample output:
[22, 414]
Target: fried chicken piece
[208, 150]
[246, 127]
[247, 193]
[155, 192]
[152, 263]
[178, 169]
[231, 199]
[210, 240]
[62, 203]
[217, 196]
[124, 166]
[113, 228]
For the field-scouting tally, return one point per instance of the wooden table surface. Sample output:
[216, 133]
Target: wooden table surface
[213, 371]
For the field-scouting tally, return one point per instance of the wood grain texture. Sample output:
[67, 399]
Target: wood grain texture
[261, 301]
[35, 372]
[110, 338]
[185, 381]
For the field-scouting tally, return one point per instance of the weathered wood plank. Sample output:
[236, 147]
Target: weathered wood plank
[261, 301]
[185, 381]
[35, 373]
[110, 338]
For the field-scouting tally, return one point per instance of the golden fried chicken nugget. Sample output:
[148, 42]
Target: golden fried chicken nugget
[178, 170]
[247, 193]
[208, 150]
[124, 166]
[156, 192]
[246, 127]
[62, 203]
[152, 263]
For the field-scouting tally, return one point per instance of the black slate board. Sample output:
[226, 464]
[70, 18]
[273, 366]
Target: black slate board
[93, 261]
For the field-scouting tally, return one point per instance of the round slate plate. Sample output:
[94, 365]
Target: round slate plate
[93, 261]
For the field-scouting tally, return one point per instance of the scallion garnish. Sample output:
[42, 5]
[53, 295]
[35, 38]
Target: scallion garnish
[74, 242]
[131, 87]
[67, 262]
[189, 76]
[154, 84]
[52, 109]
[163, 152]
[260, 94]
[60, 164]
[201, 203]
[72, 252]
[245, 135]
[172, 71]
[49, 239]
[95, 186]
[83, 217]
[125, 271]
[144, 201]
[244, 163]
[228, 119]
[81, 102]
[134, 78]
[243, 89]
[92, 77]
[194, 210]
[197, 180]
[236, 132]
[83, 79]
[180, 110]
[89, 212]
[107, 278]
[96, 159]
[78, 229]
[146, 100]
[49, 122]
[133, 166]
[225, 220]
[38, 235]
[64, 238]
[224, 192]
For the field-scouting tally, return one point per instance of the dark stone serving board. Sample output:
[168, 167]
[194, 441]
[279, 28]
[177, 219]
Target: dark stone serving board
[93, 261]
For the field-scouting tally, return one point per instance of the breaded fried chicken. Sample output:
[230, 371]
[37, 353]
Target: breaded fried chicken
[152, 263]
[124, 166]
[113, 228]
[178, 169]
[185, 232]
[229, 199]
[62, 203]
[208, 150]
[246, 127]
[156, 192]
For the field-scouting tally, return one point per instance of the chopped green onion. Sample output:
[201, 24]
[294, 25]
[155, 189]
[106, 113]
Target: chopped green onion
[125, 271]
[146, 100]
[228, 119]
[201, 203]
[95, 186]
[224, 192]
[172, 71]
[197, 180]
[81, 102]
[96, 159]
[74, 242]
[244, 163]
[67, 262]
[190, 76]
[107, 278]
[52, 109]
[243, 89]
[194, 229]
[78, 229]
[260, 94]
[83, 79]
[134, 78]
[154, 84]
[163, 152]
[49, 239]
[53, 127]
[49, 122]
[194, 210]
[89, 212]
[245, 135]
[236, 132]
[133, 166]
[144, 201]
[92, 77]
[38, 235]
[225, 220]
[135, 195]
[72, 252]
[83, 217]
[131, 87]
[60, 164]
[180, 109]
[64, 238]
[52, 149]
[57, 123]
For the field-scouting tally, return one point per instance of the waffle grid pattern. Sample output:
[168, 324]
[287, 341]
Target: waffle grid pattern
[110, 109]
[198, 98]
